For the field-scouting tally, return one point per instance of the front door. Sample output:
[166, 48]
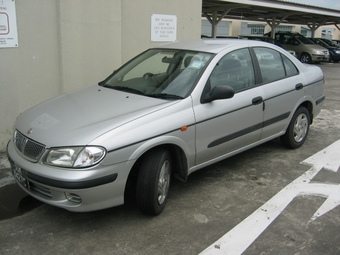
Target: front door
[224, 126]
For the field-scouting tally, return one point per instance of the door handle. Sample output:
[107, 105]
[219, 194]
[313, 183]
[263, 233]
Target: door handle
[257, 100]
[299, 86]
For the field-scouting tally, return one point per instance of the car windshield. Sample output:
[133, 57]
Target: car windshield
[331, 43]
[161, 73]
[321, 43]
[303, 39]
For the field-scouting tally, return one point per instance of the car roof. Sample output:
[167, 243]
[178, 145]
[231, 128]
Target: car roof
[212, 45]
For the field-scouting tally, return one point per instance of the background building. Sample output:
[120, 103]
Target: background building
[234, 28]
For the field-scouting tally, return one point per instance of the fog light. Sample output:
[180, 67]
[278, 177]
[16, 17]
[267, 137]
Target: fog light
[73, 197]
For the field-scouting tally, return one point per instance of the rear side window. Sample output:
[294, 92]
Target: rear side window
[290, 68]
[273, 65]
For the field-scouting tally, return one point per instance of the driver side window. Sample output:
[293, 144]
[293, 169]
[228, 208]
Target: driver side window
[234, 70]
[289, 40]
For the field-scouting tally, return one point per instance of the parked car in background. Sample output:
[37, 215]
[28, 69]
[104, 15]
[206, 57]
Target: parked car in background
[170, 111]
[329, 42]
[305, 49]
[334, 51]
[336, 42]
[265, 39]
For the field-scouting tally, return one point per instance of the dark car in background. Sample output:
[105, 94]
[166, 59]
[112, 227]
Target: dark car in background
[334, 50]
[336, 42]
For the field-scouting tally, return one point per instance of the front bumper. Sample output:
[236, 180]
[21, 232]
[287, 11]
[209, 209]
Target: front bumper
[335, 57]
[320, 58]
[79, 190]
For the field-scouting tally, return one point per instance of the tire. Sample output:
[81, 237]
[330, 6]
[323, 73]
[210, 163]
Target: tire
[297, 130]
[153, 181]
[306, 58]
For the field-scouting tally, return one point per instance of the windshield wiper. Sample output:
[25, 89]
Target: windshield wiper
[127, 89]
[165, 96]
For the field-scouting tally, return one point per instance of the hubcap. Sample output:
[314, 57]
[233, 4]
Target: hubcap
[300, 127]
[163, 182]
[305, 58]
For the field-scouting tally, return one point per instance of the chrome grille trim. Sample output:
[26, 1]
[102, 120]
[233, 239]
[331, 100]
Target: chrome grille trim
[28, 148]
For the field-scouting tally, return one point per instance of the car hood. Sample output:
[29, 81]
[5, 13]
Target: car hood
[79, 117]
[318, 47]
[333, 48]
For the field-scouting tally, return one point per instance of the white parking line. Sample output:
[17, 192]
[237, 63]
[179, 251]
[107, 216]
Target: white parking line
[237, 240]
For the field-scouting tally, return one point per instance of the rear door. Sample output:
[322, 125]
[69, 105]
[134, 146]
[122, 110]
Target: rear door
[283, 88]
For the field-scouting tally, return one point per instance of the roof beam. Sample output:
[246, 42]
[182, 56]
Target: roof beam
[263, 10]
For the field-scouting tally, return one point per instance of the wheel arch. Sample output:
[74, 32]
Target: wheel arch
[309, 106]
[179, 166]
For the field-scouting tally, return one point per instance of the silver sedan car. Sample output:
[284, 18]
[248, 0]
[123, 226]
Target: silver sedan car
[168, 112]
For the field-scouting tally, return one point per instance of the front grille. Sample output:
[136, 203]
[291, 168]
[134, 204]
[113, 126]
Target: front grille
[28, 148]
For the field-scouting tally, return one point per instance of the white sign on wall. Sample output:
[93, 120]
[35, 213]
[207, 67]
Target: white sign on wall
[8, 24]
[163, 28]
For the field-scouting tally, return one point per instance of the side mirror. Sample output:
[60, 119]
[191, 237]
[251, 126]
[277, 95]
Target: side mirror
[218, 92]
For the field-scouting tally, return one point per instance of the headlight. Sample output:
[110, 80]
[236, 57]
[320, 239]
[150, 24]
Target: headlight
[76, 157]
[318, 52]
[337, 52]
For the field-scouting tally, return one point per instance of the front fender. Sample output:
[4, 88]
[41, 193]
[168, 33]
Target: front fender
[188, 148]
[185, 140]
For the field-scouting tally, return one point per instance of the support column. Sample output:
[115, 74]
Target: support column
[336, 25]
[313, 27]
[214, 20]
[274, 24]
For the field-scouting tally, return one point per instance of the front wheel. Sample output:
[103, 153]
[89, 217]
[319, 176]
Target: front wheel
[153, 181]
[297, 130]
[306, 58]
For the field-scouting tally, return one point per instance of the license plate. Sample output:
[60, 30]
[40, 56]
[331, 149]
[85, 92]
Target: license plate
[20, 175]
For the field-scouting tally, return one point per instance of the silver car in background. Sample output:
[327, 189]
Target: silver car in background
[168, 112]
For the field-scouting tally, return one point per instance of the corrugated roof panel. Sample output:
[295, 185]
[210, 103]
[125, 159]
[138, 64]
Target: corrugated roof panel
[326, 4]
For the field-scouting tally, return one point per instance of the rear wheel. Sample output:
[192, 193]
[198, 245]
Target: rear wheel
[297, 130]
[306, 58]
[153, 181]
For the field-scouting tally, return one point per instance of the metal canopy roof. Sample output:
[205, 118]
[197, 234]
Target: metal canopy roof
[271, 11]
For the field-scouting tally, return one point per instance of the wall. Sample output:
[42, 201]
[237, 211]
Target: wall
[90, 41]
[66, 45]
[136, 22]
[29, 73]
